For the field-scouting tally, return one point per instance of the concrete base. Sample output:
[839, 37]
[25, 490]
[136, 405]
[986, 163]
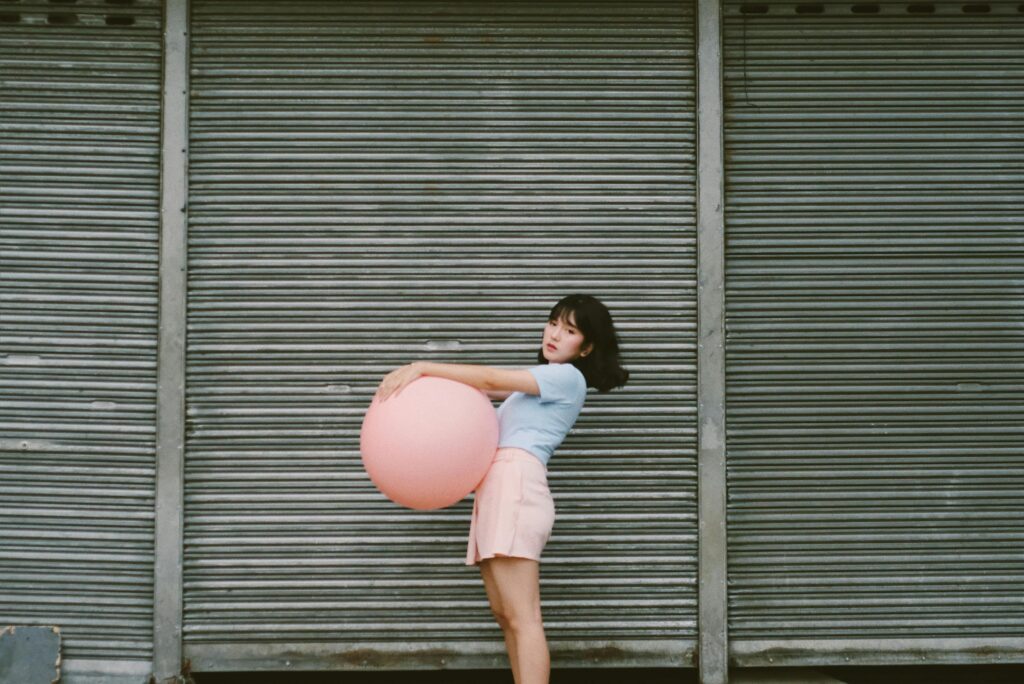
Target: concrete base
[779, 675]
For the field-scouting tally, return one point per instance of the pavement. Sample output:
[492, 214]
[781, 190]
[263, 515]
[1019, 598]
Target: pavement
[781, 675]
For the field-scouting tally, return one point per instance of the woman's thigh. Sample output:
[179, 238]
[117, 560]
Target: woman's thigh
[491, 586]
[515, 584]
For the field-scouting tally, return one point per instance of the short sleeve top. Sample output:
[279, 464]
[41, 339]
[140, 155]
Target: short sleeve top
[539, 423]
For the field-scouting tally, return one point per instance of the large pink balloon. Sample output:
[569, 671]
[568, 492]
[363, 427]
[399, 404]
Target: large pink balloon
[431, 445]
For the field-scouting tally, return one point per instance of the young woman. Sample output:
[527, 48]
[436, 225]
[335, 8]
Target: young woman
[513, 511]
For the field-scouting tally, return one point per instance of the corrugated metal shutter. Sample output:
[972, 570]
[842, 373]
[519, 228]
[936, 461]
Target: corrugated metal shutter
[79, 135]
[875, 331]
[377, 182]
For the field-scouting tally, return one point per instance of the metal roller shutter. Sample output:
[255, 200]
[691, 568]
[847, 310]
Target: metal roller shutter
[875, 346]
[376, 182]
[79, 135]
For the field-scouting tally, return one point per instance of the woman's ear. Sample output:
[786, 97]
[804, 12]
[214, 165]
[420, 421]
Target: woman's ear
[586, 350]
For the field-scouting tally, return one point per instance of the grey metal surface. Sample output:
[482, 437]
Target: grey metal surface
[373, 183]
[29, 655]
[712, 622]
[170, 435]
[79, 129]
[875, 333]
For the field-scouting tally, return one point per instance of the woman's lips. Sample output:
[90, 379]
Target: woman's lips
[552, 347]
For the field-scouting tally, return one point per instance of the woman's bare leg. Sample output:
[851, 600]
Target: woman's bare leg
[517, 581]
[493, 595]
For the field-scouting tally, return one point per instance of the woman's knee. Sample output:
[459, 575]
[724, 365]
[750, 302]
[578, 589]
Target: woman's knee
[520, 621]
[517, 620]
[501, 617]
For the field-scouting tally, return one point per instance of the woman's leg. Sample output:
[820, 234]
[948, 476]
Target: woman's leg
[491, 585]
[517, 581]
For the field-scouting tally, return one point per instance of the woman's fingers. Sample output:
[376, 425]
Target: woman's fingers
[386, 389]
[395, 381]
[403, 377]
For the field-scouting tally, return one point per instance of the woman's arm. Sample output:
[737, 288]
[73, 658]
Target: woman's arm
[499, 395]
[485, 378]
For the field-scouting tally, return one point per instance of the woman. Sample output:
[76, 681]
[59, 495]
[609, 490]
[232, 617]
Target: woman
[513, 511]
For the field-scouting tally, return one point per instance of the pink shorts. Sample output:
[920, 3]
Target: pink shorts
[513, 511]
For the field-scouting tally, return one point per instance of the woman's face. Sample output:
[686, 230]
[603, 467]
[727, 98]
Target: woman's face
[563, 342]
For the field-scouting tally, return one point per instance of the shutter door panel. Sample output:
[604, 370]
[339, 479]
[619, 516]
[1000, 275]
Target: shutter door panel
[373, 183]
[875, 345]
[79, 136]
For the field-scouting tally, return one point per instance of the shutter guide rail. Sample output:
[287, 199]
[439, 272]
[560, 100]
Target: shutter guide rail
[713, 660]
[170, 454]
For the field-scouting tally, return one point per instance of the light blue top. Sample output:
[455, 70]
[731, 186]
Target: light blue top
[538, 424]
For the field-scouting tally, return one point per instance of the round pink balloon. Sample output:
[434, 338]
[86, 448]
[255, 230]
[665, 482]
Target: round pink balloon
[431, 445]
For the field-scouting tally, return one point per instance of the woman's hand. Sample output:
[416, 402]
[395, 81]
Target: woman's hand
[396, 380]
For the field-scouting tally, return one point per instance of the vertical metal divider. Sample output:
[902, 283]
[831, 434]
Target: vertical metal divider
[170, 429]
[713, 655]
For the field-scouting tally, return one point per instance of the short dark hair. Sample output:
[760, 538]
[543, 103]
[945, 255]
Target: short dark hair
[601, 367]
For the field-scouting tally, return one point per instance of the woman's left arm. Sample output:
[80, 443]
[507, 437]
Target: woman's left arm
[485, 378]
[500, 395]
